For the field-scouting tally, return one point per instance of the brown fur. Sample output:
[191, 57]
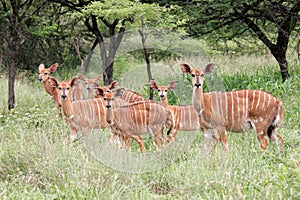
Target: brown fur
[185, 117]
[236, 111]
[138, 118]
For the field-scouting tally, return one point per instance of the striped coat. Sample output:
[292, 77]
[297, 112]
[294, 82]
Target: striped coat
[185, 117]
[138, 118]
[236, 111]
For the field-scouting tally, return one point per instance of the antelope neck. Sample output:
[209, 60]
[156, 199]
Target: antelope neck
[67, 107]
[198, 100]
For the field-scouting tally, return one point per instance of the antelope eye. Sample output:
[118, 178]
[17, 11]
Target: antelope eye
[202, 75]
[166, 90]
[46, 73]
[158, 90]
[59, 88]
[193, 75]
[105, 98]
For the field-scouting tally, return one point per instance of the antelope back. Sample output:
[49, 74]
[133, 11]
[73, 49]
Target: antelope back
[129, 95]
[141, 117]
[244, 109]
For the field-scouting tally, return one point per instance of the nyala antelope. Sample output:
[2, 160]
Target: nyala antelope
[236, 111]
[44, 76]
[185, 117]
[138, 118]
[83, 115]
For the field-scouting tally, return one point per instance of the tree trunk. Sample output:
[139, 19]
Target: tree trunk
[11, 78]
[147, 56]
[86, 63]
[280, 56]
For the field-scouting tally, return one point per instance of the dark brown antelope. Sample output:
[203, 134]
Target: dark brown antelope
[236, 111]
[185, 117]
[138, 118]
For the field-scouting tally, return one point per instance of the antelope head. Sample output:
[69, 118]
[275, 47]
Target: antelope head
[64, 88]
[44, 72]
[197, 74]
[162, 90]
[99, 91]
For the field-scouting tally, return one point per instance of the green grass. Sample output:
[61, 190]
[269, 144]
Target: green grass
[36, 162]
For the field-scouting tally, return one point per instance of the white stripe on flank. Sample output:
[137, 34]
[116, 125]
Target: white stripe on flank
[98, 108]
[243, 106]
[190, 115]
[264, 103]
[258, 102]
[217, 104]
[238, 106]
[211, 103]
[226, 108]
[253, 99]
[145, 113]
[220, 100]
[247, 109]
[232, 109]
[269, 100]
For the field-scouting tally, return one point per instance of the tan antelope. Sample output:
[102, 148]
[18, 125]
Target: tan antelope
[185, 117]
[236, 111]
[123, 141]
[90, 84]
[44, 76]
[138, 118]
[82, 115]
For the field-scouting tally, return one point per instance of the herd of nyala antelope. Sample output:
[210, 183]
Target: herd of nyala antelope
[129, 116]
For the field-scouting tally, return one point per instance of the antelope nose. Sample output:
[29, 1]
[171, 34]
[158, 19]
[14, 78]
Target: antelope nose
[108, 106]
[162, 96]
[63, 96]
[40, 80]
[197, 85]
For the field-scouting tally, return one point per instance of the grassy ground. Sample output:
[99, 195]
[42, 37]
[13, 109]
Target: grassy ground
[36, 163]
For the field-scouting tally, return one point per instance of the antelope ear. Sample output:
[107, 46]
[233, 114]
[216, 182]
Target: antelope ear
[53, 67]
[74, 81]
[53, 82]
[41, 66]
[99, 91]
[153, 85]
[113, 85]
[186, 68]
[172, 85]
[209, 68]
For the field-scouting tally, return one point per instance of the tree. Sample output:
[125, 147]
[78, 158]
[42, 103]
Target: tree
[32, 33]
[110, 19]
[271, 21]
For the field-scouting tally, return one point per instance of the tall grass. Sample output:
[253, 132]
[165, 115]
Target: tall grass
[37, 163]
